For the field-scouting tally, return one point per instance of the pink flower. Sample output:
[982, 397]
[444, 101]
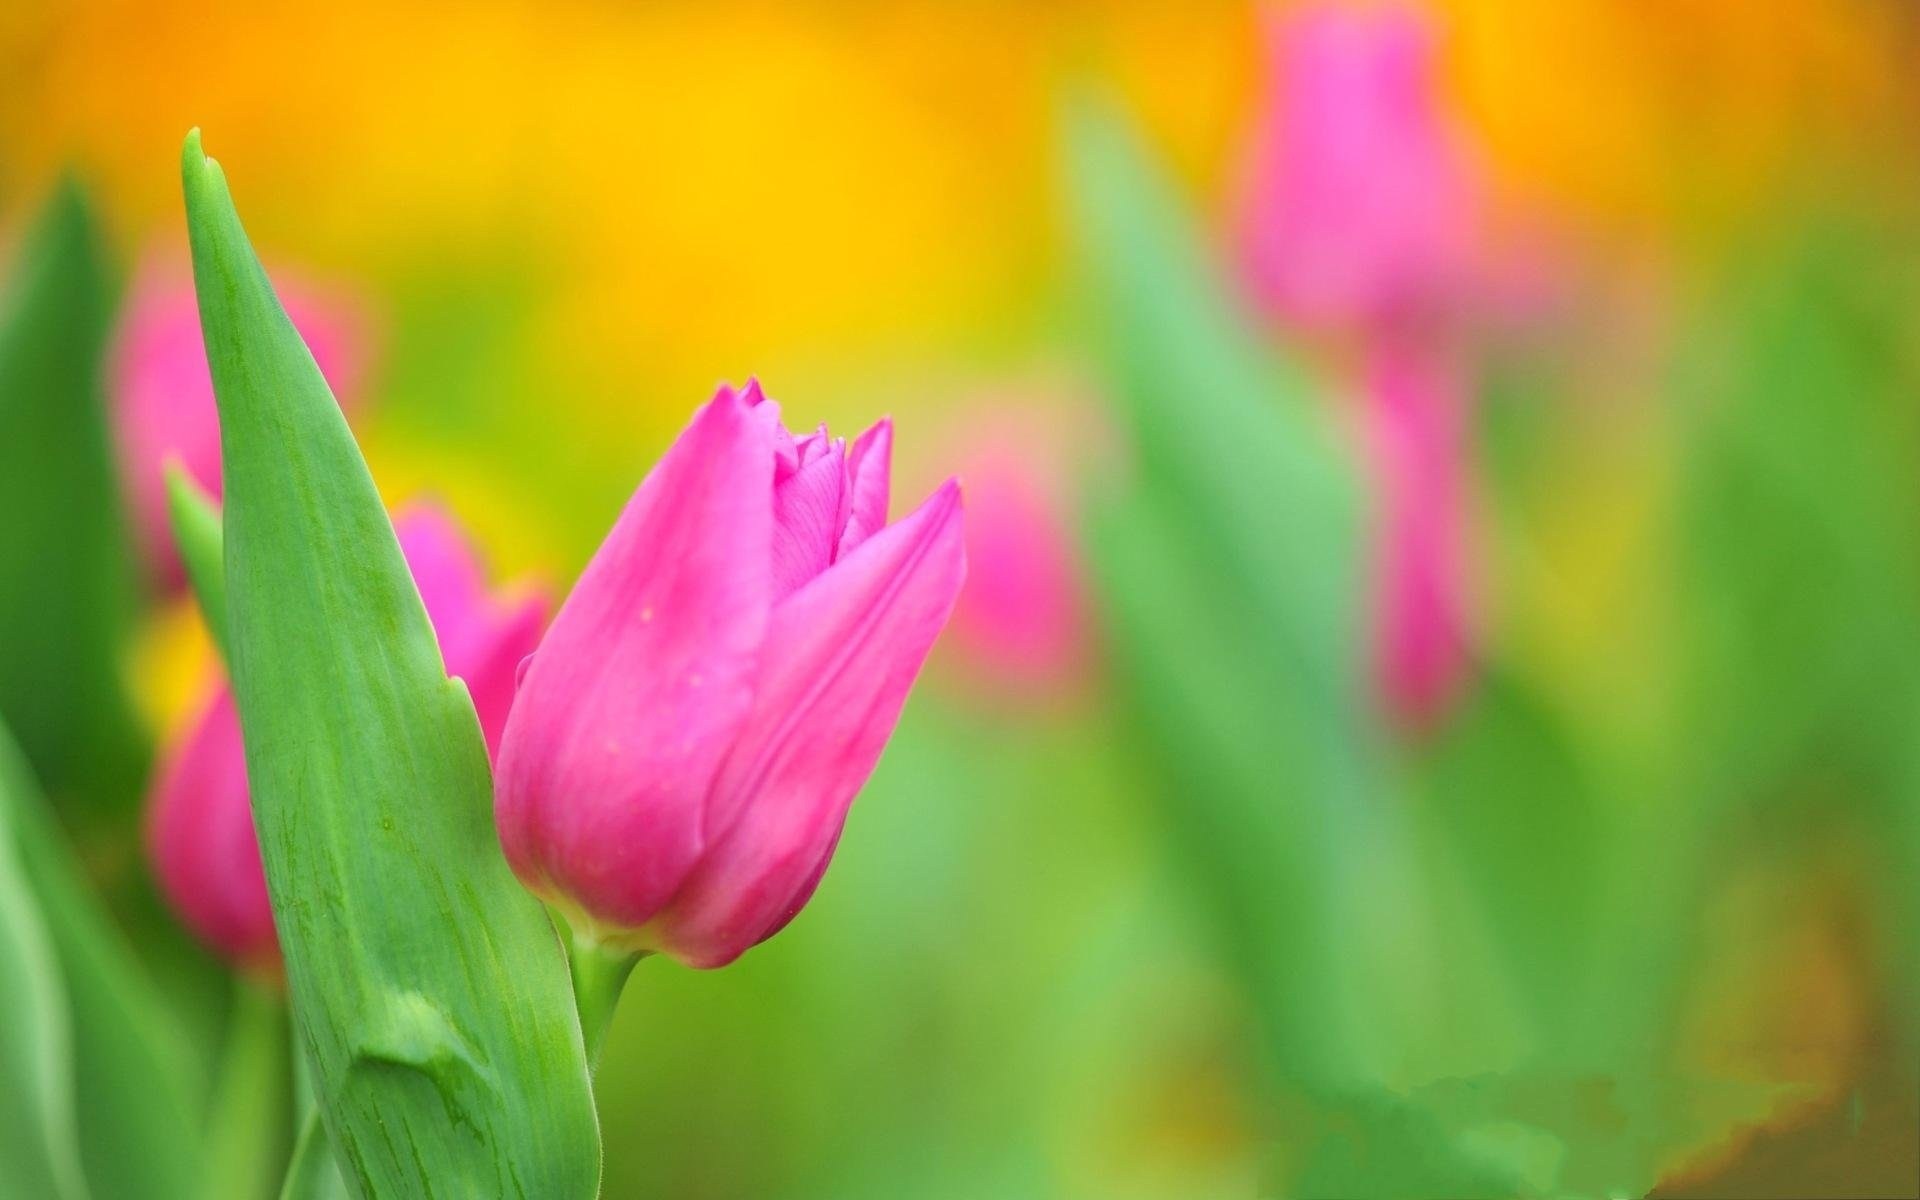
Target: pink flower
[200, 818]
[1356, 206]
[162, 392]
[1422, 644]
[687, 740]
[1021, 626]
[483, 636]
[200, 837]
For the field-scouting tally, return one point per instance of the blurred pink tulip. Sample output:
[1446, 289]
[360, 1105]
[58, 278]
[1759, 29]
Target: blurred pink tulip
[200, 837]
[720, 683]
[1361, 219]
[162, 392]
[1416, 408]
[1021, 627]
[484, 635]
[200, 817]
[1356, 206]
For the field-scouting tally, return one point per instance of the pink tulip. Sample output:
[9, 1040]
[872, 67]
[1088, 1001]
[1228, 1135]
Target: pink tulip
[1021, 626]
[1356, 206]
[162, 392]
[200, 823]
[687, 740]
[483, 636]
[1422, 646]
[200, 837]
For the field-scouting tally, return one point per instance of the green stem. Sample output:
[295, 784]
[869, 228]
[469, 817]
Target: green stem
[599, 974]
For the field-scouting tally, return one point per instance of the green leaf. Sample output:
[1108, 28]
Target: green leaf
[1798, 512]
[429, 989]
[1231, 570]
[134, 1079]
[1223, 432]
[250, 1112]
[39, 1149]
[1266, 887]
[195, 519]
[314, 1174]
[1515, 803]
[66, 583]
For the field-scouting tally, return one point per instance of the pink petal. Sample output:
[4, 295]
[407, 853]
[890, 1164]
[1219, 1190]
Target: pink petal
[869, 472]
[808, 886]
[1022, 618]
[482, 638]
[812, 446]
[488, 658]
[201, 841]
[842, 653]
[809, 508]
[786, 452]
[631, 702]
[445, 569]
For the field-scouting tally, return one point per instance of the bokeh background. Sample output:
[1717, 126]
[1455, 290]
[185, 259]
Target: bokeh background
[1167, 887]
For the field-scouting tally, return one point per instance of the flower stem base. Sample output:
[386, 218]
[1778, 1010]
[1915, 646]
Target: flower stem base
[599, 975]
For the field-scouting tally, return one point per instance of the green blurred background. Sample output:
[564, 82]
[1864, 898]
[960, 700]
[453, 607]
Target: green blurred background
[1190, 918]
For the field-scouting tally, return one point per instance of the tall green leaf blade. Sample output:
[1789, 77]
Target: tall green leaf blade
[1232, 567]
[39, 1147]
[1232, 570]
[134, 1080]
[66, 583]
[195, 520]
[429, 989]
[1265, 885]
[1229, 436]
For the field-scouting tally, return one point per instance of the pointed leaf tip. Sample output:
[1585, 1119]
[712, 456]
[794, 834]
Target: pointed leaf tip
[203, 181]
[348, 717]
[193, 160]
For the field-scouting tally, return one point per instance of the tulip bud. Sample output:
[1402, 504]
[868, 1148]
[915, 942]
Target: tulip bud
[685, 743]
[1356, 205]
[162, 392]
[1021, 631]
[200, 825]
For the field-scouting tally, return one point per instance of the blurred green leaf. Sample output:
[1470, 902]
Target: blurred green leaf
[1899, 884]
[1386, 1148]
[1225, 436]
[1796, 593]
[66, 583]
[195, 520]
[1266, 887]
[39, 1149]
[134, 1081]
[429, 989]
[1517, 808]
[1800, 511]
[249, 1114]
[313, 1174]
[1231, 572]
